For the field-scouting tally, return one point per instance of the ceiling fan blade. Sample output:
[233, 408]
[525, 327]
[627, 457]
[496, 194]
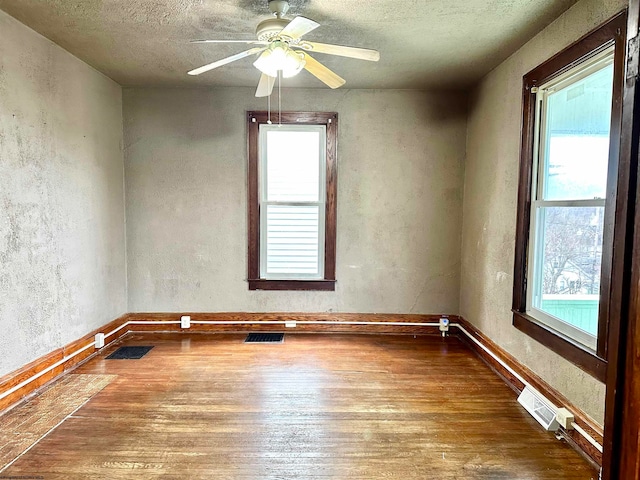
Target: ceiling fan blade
[224, 61]
[322, 73]
[350, 52]
[298, 27]
[265, 87]
[248, 42]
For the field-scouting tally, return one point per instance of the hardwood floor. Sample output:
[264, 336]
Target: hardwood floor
[314, 407]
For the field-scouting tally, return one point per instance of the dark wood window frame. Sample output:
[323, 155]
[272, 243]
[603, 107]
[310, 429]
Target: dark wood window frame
[330, 121]
[612, 32]
[621, 457]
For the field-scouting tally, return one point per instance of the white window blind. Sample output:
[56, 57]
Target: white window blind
[292, 201]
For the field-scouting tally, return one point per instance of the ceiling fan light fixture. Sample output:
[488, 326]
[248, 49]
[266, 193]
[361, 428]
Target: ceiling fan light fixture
[293, 64]
[279, 57]
[265, 64]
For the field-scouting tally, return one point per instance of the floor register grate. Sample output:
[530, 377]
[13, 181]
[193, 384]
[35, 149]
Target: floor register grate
[129, 353]
[265, 338]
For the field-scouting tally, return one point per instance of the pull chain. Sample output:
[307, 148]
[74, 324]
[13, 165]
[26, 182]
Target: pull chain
[269, 109]
[279, 98]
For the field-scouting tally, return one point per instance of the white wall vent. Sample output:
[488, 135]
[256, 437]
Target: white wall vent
[540, 408]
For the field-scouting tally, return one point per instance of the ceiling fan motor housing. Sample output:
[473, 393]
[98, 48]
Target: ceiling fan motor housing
[270, 28]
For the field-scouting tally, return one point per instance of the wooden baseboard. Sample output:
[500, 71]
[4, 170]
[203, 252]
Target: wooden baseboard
[21, 383]
[305, 322]
[581, 418]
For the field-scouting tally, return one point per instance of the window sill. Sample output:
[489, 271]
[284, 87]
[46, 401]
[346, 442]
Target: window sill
[319, 285]
[564, 346]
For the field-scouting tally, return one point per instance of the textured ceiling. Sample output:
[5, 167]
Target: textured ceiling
[423, 43]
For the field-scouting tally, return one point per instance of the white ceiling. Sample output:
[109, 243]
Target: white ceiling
[423, 43]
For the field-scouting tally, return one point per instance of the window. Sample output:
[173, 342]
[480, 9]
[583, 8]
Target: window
[291, 166]
[571, 157]
[567, 197]
[292, 201]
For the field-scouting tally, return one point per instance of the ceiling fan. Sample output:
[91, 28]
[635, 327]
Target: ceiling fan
[283, 51]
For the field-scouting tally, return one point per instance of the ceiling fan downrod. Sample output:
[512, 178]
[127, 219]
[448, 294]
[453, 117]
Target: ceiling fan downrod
[279, 7]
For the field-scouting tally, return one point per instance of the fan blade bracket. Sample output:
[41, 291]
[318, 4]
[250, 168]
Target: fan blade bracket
[303, 45]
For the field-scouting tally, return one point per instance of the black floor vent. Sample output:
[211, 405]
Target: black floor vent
[265, 338]
[129, 353]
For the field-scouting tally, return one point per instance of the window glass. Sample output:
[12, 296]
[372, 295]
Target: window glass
[293, 166]
[568, 272]
[578, 119]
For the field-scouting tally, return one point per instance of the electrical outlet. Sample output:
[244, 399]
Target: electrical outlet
[99, 340]
[444, 324]
[185, 321]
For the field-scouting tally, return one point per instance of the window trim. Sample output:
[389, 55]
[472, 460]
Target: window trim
[613, 32]
[330, 121]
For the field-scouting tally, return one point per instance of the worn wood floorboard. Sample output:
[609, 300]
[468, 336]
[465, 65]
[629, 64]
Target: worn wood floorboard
[315, 407]
[24, 425]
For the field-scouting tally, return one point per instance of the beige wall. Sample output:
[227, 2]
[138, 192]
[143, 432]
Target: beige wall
[62, 251]
[490, 195]
[400, 166]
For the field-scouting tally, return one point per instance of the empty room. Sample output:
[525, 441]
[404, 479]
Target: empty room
[319, 239]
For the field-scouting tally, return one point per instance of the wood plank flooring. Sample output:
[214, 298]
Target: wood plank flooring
[23, 426]
[315, 407]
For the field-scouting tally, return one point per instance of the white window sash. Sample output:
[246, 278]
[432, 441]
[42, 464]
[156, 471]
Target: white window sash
[264, 203]
[585, 338]
[595, 63]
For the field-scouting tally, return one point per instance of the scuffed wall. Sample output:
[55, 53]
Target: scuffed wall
[62, 242]
[490, 199]
[400, 167]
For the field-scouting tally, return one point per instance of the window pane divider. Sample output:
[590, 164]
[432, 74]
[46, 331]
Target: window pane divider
[293, 204]
[596, 202]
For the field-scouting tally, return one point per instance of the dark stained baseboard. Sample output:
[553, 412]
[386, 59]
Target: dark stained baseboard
[305, 322]
[355, 323]
[581, 418]
[27, 380]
